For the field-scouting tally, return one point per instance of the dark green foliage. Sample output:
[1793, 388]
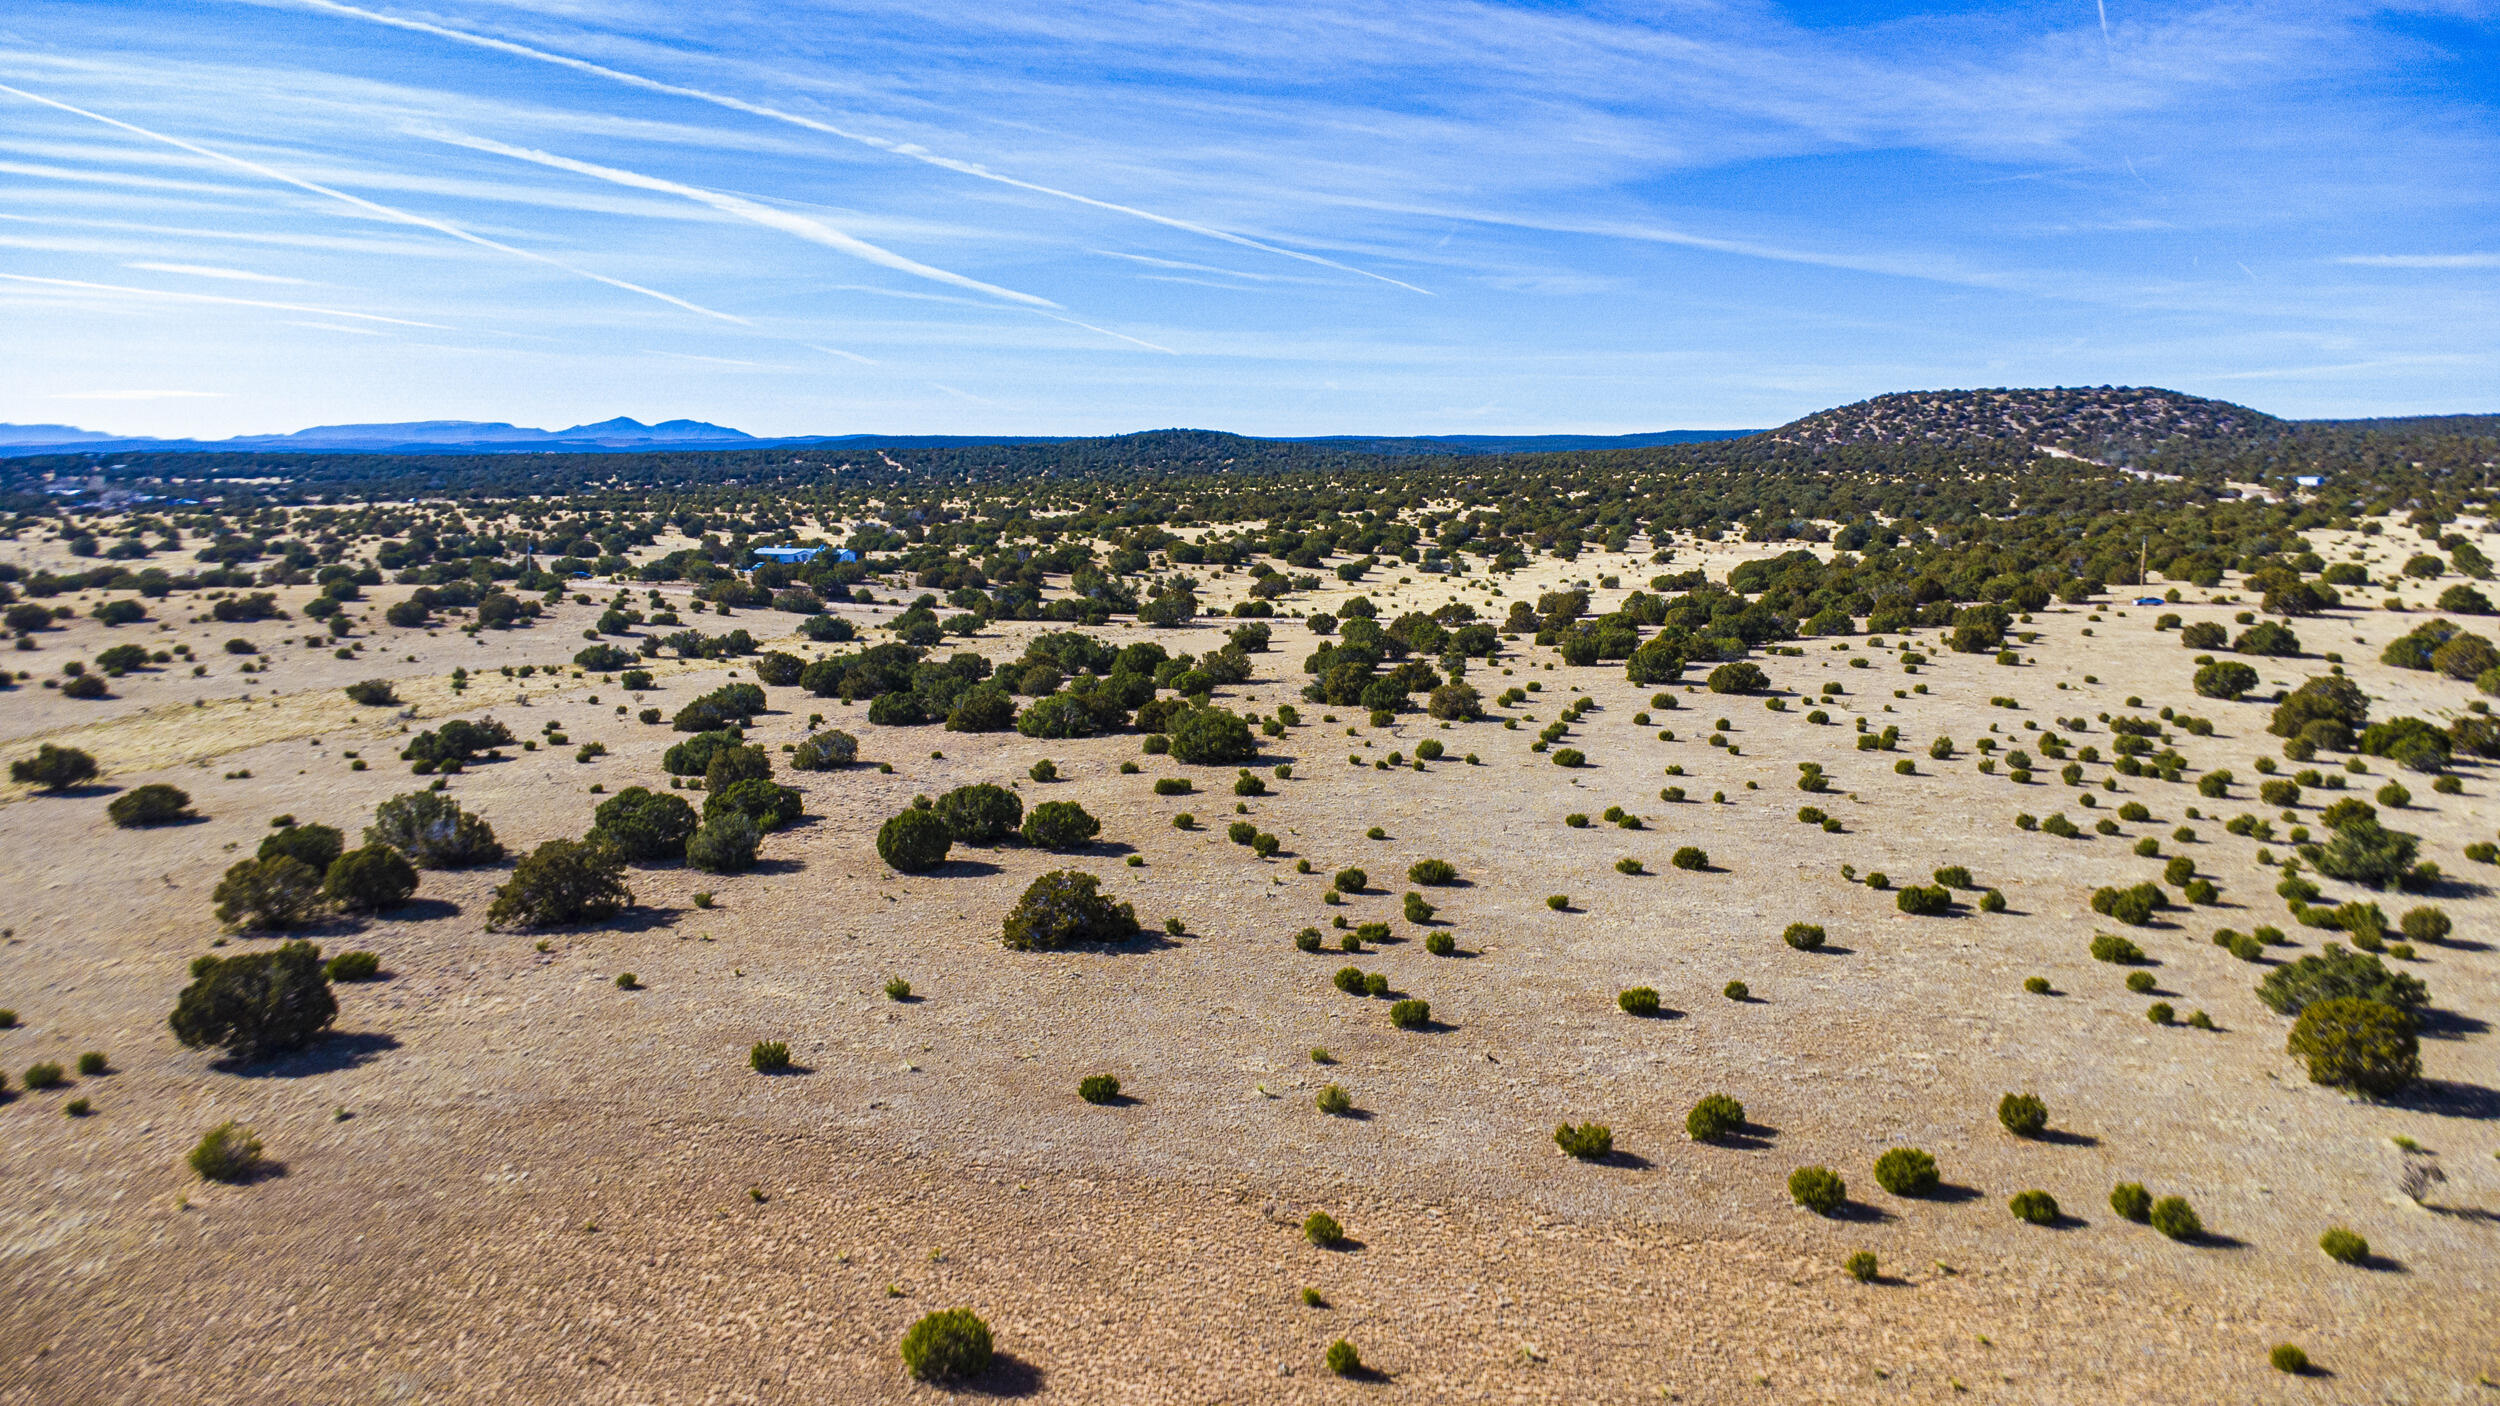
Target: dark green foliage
[279, 892]
[726, 842]
[2036, 985]
[823, 751]
[1408, 1014]
[315, 845]
[2361, 851]
[983, 708]
[560, 882]
[2172, 1216]
[227, 1153]
[1818, 1189]
[1714, 1117]
[1350, 881]
[2023, 1115]
[769, 1056]
[1906, 1171]
[2337, 973]
[1212, 737]
[2226, 678]
[1805, 937]
[2330, 698]
[1737, 677]
[730, 766]
[369, 879]
[1060, 825]
[153, 804]
[433, 831]
[1589, 1142]
[2344, 1247]
[597, 658]
[1924, 900]
[354, 966]
[1335, 1101]
[1349, 979]
[44, 1075]
[980, 814]
[951, 1345]
[2033, 1207]
[1690, 857]
[53, 768]
[769, 804]
[1432, 872]
[1065, 907]
[1098, 1088]
[2368, 1047]
[258, 1004]
[1638, 1000]
[2425, 925]
[914, 841]
[457, 742]
[2131, 1201]
[1321, 1229]
[645, 826]
[2287, 1358]
[1861, 1267]
[2109, 947]
[730, 705]
[1173, 786]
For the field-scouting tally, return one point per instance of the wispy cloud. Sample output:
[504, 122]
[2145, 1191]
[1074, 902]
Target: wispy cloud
[162, 295]
[137, 395]
[369, 206]
[908, 150]
[2423, 261]
[207, 271]
[770, 217]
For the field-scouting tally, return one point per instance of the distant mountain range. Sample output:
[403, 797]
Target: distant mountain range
[2113, 423]
[632, 436]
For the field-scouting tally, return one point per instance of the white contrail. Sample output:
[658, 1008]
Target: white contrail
[904, 149]
[369, 206]
[213, 298]
[845, 355]
[209, 271]
[2103, 6]
[771, 217]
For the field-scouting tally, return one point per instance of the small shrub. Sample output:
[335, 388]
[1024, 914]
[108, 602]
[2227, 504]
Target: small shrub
[1342, 1359]
[2174, 1217]
[1737, 991]
[2425, 925]
[1350, 881]
[44, 1075]
[2365, 1046]
[2033, 1207]
[1627, 865]
[1173, 786]
[2344, 1247]
[1348, 979]
[1432, 872]
[258, 1004]
[1059, 826]
[1044, 770]
[2289, 1359]
[354, 966]
[2109, 947]
[1098, 1088]
[227, 1152]
[1321, 1229]
[2131, 1201]
[1409, 1014]
[1861, 1266]
[2023, 1115]
[769, 1056]
[1638, 1000]
[949, 1345]
[1691, 858]
[1818, 1189]
[2036, 985]
[562, 881]
[93, 1063]
[897, 989]
[1440, 944]
[1335, 1101]
[1589, 1142]
[1805, 937]
[1924, 900]
[1064, 907]
[1559, 902]
[53, 769]
[2139, 982]
[1714, 1117]
[1307, 940]
[152, 804]
[1906, 1171]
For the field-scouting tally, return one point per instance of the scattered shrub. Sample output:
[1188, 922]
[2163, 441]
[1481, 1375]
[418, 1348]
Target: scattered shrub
[1065, 907]
[2023, 1115]
[769, 1056]
[152, 804]
[433, 831]
[2174, 1217]
[2366, 1046]
[2109, 947]
[258, 1004]
[1350, 881]
[2034, 1207]
[1714, 1117]
[560, 882]
[949, 1345]
[645, 826]
[1440, 944]
[278, 892]
[369, 879]
[1924, 901]
[2288, 1358]
[1060, 826]
[1737, 991]
[1321, 1229]
[1906, 1171]
[1638, 1000]
[1335, 1101]
[1690, 857]
[53, 768]
[1589, 1142]
[1409, 1014]
[227, 1153]
[1432, 872]
[726, 842]
[980, 814]
[1805, 937]
[2131, 1201]
[2337, 973]
[1818, 1189]
[1098, 1088]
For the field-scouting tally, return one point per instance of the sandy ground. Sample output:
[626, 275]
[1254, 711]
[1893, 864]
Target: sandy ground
[508, 1180]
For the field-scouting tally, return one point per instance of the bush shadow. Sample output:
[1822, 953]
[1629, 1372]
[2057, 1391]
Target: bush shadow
[1858, 1212]
[2060, 1137]
[1628, 1161]
[420, 910]
[1008, 1376]
[1950, 1193]
[2450, 1098]
[959, 869]
[341, 1051]
[2439, 1023]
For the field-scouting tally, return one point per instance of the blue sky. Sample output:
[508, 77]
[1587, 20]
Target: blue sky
[793, 216]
